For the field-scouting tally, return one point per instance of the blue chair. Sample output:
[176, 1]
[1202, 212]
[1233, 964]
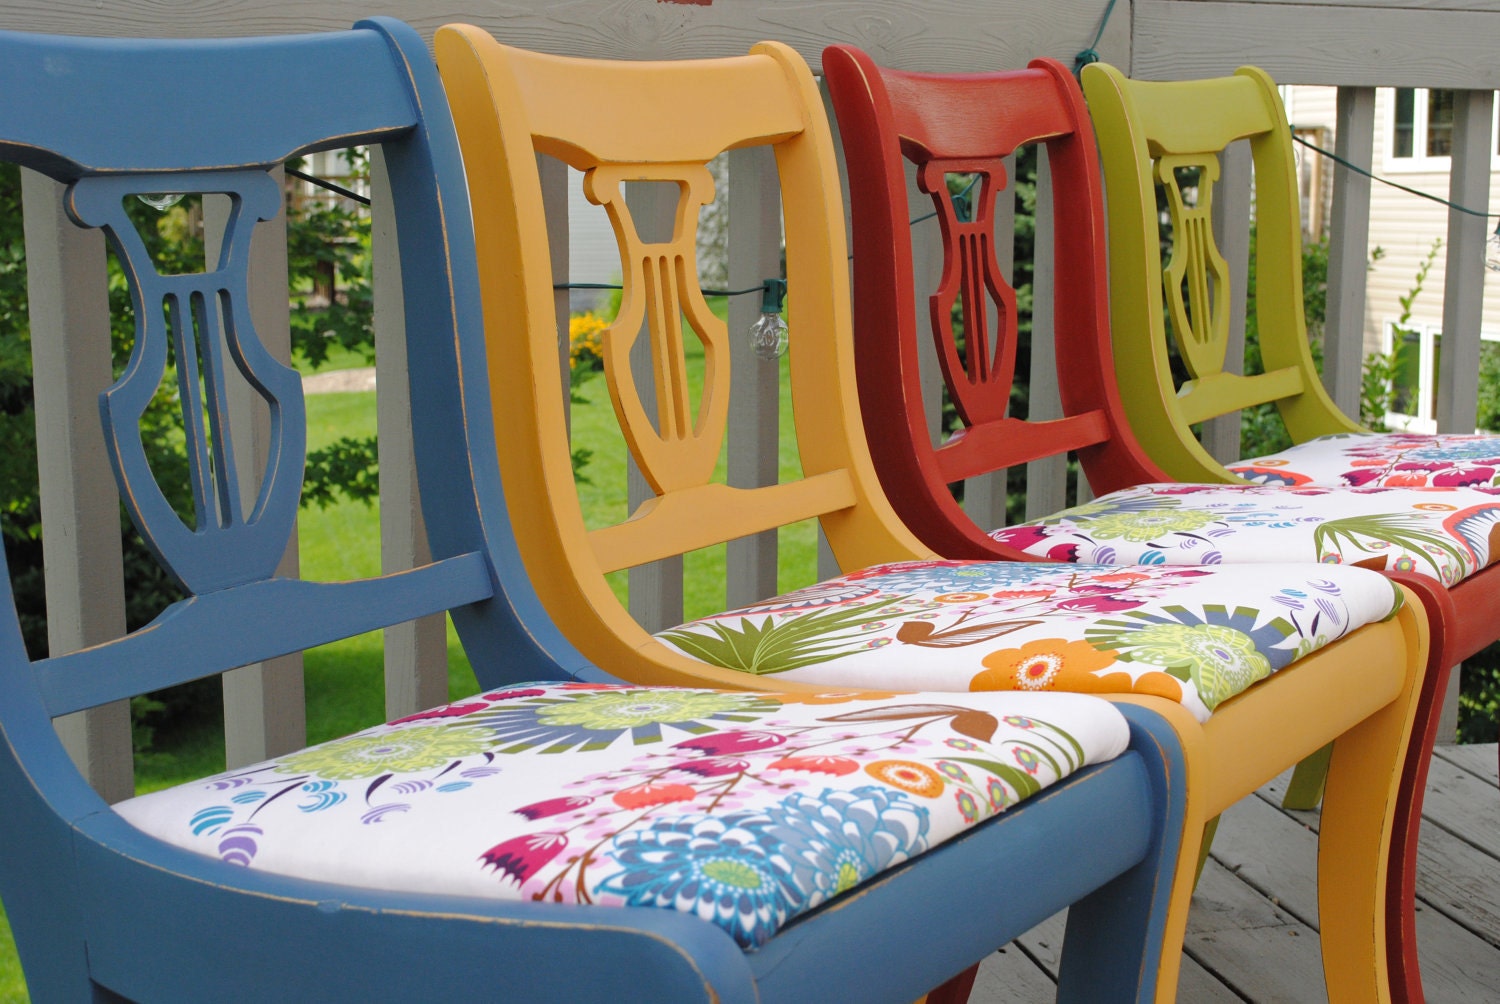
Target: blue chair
[559, 836]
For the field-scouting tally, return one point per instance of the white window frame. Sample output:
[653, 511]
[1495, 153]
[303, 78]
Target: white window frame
[1424, 421]
[1419, 163]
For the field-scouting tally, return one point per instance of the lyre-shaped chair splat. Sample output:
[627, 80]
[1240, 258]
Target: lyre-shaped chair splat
[1196, 277]
[205, 316]
[660, 287]
[971, 277]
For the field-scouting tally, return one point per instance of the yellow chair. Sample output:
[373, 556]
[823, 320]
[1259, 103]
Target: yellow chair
[663, 122]
[1169, 135]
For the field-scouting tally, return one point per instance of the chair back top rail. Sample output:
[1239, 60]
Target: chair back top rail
[1170, 135]
[966, 124]
[658, 122]
[216, 117]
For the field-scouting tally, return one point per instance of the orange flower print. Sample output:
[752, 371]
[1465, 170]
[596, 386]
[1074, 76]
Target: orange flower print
[1037, 665]
[1125, 578]
[837, 696]
[916, 778]
[643, 796]
[1059, 664]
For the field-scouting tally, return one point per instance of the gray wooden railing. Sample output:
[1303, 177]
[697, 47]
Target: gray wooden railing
[1352, 44]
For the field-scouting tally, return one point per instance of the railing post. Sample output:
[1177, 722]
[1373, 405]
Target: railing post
[265, 712]
[554, 176]
[71, 365]
[927, 271]
[416, 652]
[1349, 249]
[1231, 228]
[1463, 290]
[754, 251]
[655, 589]
[1046, 479]
[985, 494]
[1463, 296]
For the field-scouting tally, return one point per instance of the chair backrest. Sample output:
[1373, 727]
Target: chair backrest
[114, 118]
[1169, 135]
[966, 124]
[657, 121]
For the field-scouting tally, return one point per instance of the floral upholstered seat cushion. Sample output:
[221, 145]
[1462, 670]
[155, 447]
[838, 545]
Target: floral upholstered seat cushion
[1444, 533]
[744, 809]
[1195, 635]
[1382, 459]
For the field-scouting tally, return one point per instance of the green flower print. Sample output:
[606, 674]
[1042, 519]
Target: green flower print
[403, 750]
[1141, 527]
[610, 710]
[1221, 661]
[592, 719]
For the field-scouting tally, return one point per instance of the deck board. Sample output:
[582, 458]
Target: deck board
[1252, 934]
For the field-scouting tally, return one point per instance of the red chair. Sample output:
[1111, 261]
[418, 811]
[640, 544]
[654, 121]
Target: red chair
[966, 124]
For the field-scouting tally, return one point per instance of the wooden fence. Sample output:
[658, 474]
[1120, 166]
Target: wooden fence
[1355, 45]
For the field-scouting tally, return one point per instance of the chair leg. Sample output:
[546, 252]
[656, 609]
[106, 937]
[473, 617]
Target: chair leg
[1209, 831]
[1401, 891]
[1306, 787]
[954, 991]
[1360, 809]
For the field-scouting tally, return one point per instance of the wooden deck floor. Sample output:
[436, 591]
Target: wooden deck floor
[1253, 931]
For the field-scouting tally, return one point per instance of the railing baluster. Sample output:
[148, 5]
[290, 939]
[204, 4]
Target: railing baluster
[1046, 479]
[66, 285]
[264, 706]
[754, 250]
[554, 175]
[1463, 290]
[1463, 297]
[655, 589]
[1231, 230]
[984, 495]
[1349, 248]
[416, 653]
[927, 270]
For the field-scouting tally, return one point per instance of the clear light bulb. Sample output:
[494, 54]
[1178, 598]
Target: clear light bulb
[161, 200]
[1492, 251]
[768, 337]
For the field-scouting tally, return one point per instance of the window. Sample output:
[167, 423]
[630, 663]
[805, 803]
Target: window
[1421, 129]
[1415, 378]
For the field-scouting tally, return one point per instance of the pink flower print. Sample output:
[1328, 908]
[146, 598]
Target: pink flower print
[506, 695]
[451, 711]
[1064, 552]
[1464, 479]
[838, 766]
[553, 806]
[1099, 604]
[714, 766]
[520, 857]
[642, 796]
[1028, 760]
[1358, 477]
[722, 743]
[1020, 536]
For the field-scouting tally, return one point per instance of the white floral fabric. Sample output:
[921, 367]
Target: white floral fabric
[743, 809]
[1382, 459]
[1195, 635]
[1446, 534]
